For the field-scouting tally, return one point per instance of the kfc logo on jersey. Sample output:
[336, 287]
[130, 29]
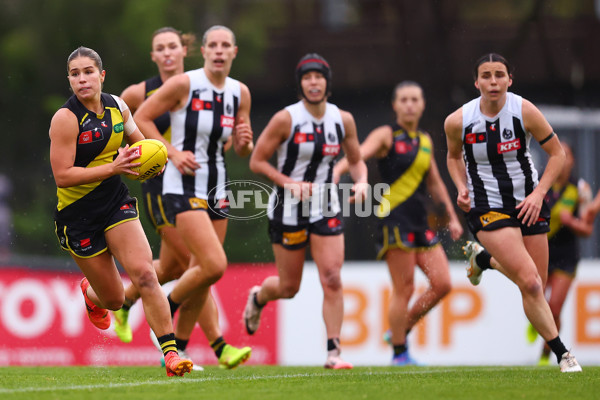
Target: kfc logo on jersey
[227, 122]
[331, 149]
[301, 137]
[475, 137]
[509, 146]
[402, 147]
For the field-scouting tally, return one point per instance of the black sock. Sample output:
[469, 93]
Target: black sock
[181, 344]
[557, 347]
[174, 306]
[333, 343]
[167, 343]
[218, 345]
[127, 304]
[483, 259]
[256, 303]
[399, 349]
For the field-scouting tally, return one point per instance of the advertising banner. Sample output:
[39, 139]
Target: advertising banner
[43, 322]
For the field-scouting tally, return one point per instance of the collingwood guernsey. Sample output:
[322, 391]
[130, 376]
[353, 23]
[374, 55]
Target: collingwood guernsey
[308, 155]
[500, 172]
[202, 127]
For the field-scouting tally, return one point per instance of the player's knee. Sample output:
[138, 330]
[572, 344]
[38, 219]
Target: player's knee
[113, 301]
[115, 304]
[146, 280]
[331, 279]
[214, 270]
[289, 291]
[441, 287]
[531, 285]
[404, 290]
[213, 276]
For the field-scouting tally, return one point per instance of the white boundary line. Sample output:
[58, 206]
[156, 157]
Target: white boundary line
[187, 380]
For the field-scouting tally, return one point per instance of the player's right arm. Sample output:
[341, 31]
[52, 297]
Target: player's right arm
[171, 96]
[454, 158]
[64, 130]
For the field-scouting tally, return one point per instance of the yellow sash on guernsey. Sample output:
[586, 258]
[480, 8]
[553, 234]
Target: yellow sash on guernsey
[568, 201]
[69, 195]
[405, 185]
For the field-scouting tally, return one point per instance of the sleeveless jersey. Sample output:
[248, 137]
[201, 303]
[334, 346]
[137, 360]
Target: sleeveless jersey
[100, 135]
[202, 127]
[308, 155]
[500, 171]
[405, 169]
[163, 124]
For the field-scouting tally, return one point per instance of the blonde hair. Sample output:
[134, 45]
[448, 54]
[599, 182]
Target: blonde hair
[216, 28]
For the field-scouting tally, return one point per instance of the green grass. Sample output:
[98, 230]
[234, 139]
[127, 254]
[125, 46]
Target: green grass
[291, 383]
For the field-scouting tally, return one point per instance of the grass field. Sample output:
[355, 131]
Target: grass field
[291, 383]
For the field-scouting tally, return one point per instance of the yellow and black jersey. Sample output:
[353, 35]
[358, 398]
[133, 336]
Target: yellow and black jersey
[100, 136]
[163, 124]
[405, 169]
[562, 241]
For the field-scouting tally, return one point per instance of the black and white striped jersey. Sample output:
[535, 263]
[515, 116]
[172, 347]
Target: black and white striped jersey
[203, 126]
[308, 155]
[500, 171]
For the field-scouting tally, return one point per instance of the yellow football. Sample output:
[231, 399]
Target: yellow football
[152, 154]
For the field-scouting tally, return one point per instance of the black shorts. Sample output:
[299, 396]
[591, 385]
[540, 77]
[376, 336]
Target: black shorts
[392, 236]
[175, 204]
[86, 242]
[153, 204]
[293, 237]
[563, 258]
[495, 218]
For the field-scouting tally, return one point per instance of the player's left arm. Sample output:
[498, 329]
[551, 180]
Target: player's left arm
[242, 132]
[535, 123]
[356, 165]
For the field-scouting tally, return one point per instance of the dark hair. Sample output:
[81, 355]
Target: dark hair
[404, 84]
[82, 51]
[217, 28]
[186, 39]
[313, 62]
[491, 57]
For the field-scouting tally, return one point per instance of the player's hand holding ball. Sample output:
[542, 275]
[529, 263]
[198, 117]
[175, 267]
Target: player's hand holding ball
[150, 155]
